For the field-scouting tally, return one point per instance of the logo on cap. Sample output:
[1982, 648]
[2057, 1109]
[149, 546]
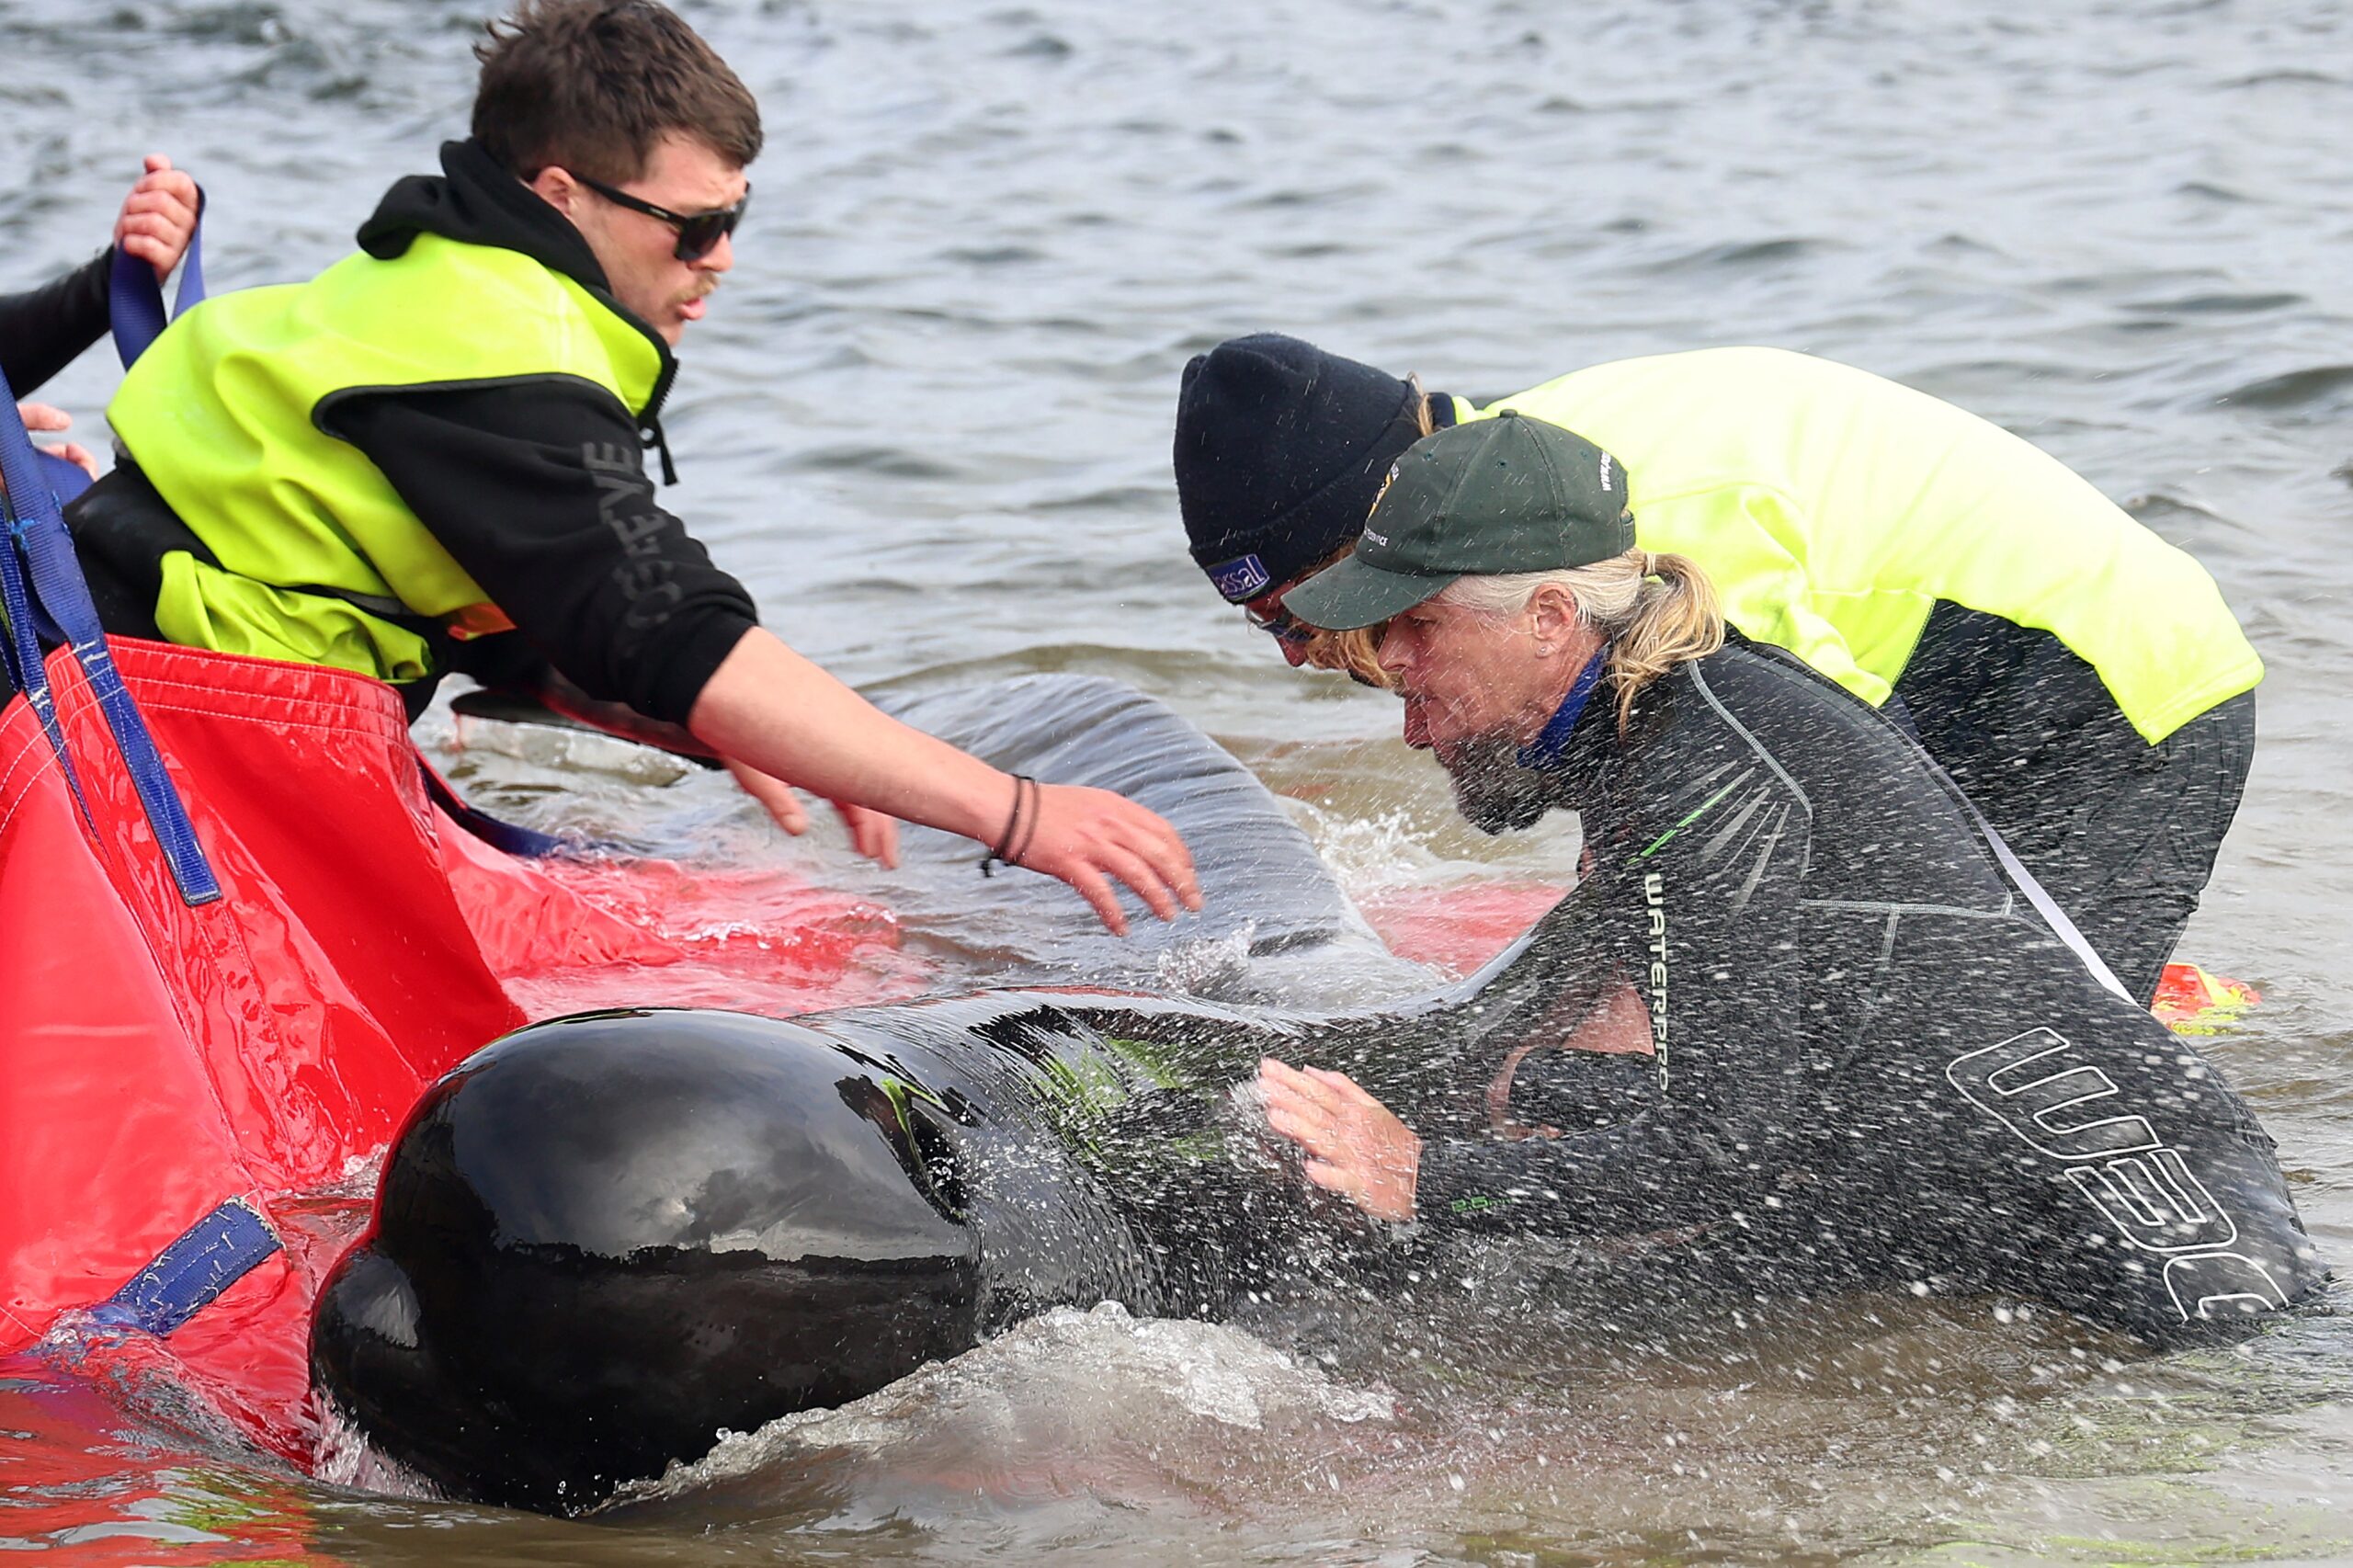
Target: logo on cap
[1244, 577]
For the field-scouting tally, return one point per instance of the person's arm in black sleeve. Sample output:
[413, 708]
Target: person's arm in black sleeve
[43, 330]
[1727, 964]
[540, 492]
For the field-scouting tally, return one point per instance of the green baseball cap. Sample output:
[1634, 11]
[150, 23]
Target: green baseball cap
[1488, 498]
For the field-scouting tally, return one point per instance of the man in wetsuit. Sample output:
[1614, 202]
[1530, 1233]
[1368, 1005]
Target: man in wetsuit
[2081, 679]
[1816, 1014]
[430, 457]
[43, 330]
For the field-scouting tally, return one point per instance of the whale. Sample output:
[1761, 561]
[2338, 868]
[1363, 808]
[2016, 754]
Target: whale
[603, 1240]
[606, 1240]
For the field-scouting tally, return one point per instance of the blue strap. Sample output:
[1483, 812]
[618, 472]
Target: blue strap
[26, 673]
[192, 1273]
[40, 572]
[135, 296]
[513, 838]
[66, 479]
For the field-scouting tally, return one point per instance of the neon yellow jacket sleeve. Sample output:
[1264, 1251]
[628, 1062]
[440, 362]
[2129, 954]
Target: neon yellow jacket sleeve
[1834, 509]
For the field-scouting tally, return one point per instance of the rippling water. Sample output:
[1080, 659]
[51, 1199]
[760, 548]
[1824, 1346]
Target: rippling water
[928, 422]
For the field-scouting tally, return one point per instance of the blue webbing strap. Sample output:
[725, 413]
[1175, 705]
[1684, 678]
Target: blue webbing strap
[135, 316]
[40, 572]
[514, 839]
[27, 672]
[66, 479]
[191, 1274]
[135, 297]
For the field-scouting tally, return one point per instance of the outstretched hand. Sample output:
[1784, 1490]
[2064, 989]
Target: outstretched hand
[158, 218]
[1087, 837]
[871, 833]
[1353, 1146]
[41, 419]
[787, 718]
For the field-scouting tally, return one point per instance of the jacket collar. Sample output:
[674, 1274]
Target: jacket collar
[476, 202]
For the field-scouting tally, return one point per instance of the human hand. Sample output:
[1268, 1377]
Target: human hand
[1353, 1146]
[40, 417]
[871, 833]
[158, 218]
[1088, 836]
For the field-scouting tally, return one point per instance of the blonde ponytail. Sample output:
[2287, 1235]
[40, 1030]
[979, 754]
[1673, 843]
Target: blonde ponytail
[1425, 416]
[1676, 617]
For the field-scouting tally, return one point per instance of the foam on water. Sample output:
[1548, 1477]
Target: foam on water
[1099, 1370]
[1069, 1400]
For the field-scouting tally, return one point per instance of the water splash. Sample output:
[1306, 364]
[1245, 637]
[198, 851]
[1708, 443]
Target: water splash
[1064, 1399]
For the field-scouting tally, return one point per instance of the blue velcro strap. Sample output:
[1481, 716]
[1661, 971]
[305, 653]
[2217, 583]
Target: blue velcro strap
[192, 1273]
[135, 297]
[39, 571]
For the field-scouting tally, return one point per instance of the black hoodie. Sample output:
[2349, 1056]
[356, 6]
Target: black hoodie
[537, 488]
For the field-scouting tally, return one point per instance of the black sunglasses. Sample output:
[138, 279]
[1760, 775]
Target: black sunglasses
[1280, 625]
[698, 233]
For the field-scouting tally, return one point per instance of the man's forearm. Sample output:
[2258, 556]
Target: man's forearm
[768, 706]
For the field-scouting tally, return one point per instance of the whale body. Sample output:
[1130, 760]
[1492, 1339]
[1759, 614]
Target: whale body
[603, 1239]
[606, 1239]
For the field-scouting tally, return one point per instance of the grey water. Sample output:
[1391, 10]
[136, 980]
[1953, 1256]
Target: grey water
[927, 422]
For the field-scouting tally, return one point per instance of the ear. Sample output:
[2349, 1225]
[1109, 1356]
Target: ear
[556, 187]
[1552, 616]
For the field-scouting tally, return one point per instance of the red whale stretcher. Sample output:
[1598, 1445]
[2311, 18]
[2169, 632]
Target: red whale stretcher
[167, 1065]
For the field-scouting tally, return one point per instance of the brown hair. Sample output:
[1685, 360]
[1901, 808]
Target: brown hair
[1358, 652]
[1424, 415]
[1354, 654]
[593, 86]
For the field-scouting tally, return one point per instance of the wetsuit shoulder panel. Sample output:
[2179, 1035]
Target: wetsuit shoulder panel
[45, 329]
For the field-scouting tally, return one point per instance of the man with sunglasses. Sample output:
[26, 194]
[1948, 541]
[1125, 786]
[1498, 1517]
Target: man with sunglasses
[430, 457]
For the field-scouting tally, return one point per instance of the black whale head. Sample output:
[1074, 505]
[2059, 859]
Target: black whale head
[607, 1237]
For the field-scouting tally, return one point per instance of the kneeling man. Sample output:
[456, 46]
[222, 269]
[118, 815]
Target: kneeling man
[1819, 1013]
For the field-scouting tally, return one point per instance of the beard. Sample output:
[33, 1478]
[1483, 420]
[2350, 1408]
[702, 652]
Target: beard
[1492, 791]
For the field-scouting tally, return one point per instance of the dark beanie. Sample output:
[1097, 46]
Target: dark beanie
[1280, 449]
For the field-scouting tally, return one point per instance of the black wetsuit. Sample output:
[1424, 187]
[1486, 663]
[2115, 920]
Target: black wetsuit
[2122, 832]
[45, 329]
[1873, 1060]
